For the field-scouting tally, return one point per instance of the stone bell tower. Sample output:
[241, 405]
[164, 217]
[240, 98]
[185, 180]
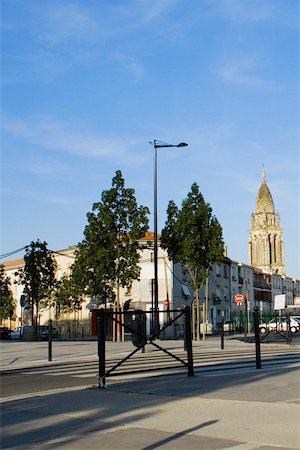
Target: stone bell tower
[266, 250]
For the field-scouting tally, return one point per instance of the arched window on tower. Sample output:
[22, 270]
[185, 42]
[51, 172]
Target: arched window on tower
[270, 249]
[275, 249]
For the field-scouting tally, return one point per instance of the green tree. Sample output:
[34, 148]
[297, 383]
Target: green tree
[38, 275]
[6, 297]
[193, 236]
[67, 296]
[108, 256]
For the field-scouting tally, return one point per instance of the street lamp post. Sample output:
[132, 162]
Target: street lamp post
[157, 144]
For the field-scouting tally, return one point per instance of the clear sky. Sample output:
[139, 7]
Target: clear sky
[87, 84]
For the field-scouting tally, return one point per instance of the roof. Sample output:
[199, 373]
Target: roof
[149, 236]
[264, 200]
[13, 263]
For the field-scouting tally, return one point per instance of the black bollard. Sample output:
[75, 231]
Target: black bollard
[222, 333]
[257, 337]
[288, 329]
[188, 341]
[50, 340]
[101, 347]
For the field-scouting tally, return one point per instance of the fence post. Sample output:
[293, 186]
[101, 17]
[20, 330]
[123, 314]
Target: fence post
[101, 347]
[188, 341]
[257, 337]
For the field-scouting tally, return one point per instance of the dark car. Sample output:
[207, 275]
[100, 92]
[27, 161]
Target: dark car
[44, 332]
[4, 333]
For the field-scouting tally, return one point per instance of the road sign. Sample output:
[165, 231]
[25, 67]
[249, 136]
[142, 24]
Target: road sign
[166, 303]
[279, 301]
[297, 301]
[238, 298]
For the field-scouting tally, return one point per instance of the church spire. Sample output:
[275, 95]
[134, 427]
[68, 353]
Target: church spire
[264, 175]
[266, 241]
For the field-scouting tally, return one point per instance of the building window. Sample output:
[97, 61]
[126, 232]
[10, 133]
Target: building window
[225, 271]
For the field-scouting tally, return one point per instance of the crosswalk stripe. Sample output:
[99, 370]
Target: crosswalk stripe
[144, 364]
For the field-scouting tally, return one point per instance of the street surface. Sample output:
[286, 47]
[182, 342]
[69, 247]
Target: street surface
[150, 402]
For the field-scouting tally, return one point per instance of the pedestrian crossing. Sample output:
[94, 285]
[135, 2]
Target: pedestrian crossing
[156, 362]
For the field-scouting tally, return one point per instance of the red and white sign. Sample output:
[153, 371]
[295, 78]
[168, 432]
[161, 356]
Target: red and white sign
[238, 298]
[166, 303]
[297, 301]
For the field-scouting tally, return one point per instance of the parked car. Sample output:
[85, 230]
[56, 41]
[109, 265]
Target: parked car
[17, 333]
[280, 324]
[229, 326]
[4, 333]
[296, 318]
[43, 332]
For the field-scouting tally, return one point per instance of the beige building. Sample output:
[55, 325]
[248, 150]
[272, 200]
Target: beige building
[139, 296]
[266, 251]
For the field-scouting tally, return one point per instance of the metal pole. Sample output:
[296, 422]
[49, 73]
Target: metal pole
[246, 312]
[257, 338]
[50, 340]
[156, 145]
[288, 329]
[222, 332]
[188, 341]
[101, 347]
[156, 317]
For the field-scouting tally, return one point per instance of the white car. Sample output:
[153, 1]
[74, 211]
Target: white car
[280, 324]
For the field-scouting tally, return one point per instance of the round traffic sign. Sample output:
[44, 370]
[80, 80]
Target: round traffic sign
[239, 298]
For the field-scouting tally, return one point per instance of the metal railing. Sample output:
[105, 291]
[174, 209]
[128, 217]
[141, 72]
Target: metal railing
[140, 338]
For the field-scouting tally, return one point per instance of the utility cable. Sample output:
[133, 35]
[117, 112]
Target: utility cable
[6, 255]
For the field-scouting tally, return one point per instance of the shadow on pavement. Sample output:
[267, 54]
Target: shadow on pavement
[66, 416]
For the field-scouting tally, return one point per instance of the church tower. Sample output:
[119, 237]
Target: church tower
[266, 240]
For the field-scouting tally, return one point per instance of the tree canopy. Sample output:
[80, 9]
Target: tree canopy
[6, 296]
[108, 255]
[67, 296]
[38, 274]
[193, 236]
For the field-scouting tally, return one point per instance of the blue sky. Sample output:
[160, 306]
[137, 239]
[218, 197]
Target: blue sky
[87, 84]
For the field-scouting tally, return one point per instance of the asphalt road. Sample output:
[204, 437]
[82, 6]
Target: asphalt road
[26, 370]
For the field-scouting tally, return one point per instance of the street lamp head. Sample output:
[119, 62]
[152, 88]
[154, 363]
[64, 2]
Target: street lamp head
[159, 144]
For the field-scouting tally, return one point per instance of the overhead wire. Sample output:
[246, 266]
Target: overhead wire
[6, 255]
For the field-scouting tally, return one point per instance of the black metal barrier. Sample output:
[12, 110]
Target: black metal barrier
[278, 330]
[140, 339]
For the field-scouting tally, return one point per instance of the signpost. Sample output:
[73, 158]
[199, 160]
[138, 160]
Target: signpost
[238, 299]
